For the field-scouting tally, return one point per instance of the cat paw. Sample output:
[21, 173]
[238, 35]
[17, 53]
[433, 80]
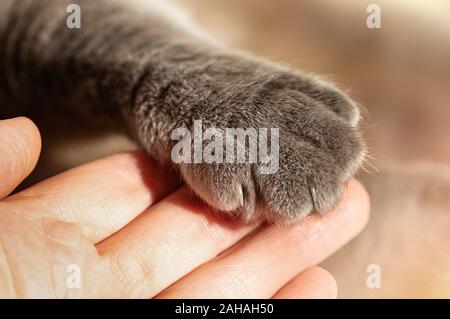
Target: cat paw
[307, 140]
[311, 136]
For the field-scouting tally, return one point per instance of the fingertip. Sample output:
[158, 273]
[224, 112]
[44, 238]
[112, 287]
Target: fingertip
[23, 130]
[313, 283]
[20, 146]
[330, 283]
[356, 204]
[30, 127]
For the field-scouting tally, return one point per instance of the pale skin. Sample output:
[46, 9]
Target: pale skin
[133, 232]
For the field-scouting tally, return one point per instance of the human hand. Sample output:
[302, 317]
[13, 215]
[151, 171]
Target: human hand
[128, 230]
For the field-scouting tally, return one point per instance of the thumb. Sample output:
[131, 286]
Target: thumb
[20, 145]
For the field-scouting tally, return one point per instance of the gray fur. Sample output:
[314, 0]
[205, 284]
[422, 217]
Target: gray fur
[145, 74]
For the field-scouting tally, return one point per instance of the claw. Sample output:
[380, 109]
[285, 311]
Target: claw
[240, 192]
[312, 192]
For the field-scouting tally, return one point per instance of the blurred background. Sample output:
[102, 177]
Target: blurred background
[400, 76]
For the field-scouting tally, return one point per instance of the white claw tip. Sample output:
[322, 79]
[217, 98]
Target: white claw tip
[240, 192]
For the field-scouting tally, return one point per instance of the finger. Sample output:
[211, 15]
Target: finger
[101, 197]
[313, 283]
[165, 243]
[20, 146]
[259, 266]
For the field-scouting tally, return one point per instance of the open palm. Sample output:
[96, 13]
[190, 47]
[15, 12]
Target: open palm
[123, 227]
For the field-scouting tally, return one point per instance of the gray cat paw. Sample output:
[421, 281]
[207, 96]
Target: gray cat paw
[319, 146]
[319, 150]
